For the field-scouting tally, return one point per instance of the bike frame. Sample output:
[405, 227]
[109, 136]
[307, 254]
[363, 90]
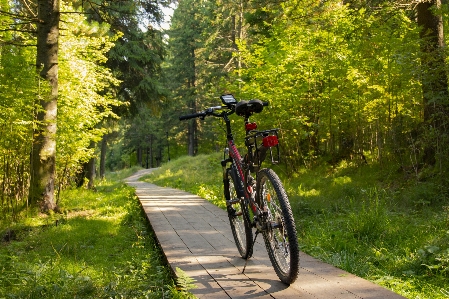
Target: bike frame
[236, 159]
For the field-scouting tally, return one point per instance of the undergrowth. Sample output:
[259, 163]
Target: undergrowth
[100, 247]
[370, 220]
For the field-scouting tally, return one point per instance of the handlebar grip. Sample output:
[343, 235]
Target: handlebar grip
[189, 116]
[265, 104]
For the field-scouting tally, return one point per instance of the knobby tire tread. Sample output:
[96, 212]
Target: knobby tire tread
[289, 223]
[245, 249]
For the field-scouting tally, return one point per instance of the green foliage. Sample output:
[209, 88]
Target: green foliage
[184, 284]
[343, 81]
[137, 54]
[100, 247]
[201, 54]
[18, 87]
[85, 90]
[359, 219]
[84, 101]
[333, 74]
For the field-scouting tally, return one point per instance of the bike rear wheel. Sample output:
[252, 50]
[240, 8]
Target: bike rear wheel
[280, 234]
[238, 215]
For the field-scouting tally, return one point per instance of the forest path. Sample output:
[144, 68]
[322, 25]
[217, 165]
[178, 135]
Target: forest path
[196, 237]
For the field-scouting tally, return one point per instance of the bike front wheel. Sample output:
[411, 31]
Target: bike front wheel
[238, 214]
[280, 232]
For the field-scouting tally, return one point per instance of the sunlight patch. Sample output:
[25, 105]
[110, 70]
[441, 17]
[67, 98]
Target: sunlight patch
[342, 180]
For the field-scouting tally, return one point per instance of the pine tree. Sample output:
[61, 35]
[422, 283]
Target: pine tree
[43, 159]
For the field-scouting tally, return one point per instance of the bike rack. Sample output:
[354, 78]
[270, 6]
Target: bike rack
[263, 141]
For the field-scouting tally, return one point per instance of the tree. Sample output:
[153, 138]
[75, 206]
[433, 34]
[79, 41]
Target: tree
[18, 93]
[136, 57]
[87, 94]
[43, 158]
[434, 76]
[184, 43]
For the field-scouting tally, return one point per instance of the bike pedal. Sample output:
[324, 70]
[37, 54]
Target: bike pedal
[231, 202]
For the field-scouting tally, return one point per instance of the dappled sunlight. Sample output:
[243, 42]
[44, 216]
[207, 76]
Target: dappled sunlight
[308, 193]
[226, 271]
[342, 180]
[173, 198]
[173, 201]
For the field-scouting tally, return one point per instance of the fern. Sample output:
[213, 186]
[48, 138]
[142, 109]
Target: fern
[184, 284]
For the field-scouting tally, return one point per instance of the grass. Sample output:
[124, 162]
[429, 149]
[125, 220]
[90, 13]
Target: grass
[369, 220]
[100, 247]
[201, 175]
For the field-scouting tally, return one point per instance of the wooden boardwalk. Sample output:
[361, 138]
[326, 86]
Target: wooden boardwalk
[196, 237]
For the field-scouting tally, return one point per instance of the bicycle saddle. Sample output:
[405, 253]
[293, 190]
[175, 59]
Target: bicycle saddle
[244, 108]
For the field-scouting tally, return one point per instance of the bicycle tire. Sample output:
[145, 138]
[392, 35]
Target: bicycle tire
[238, 215]
[280, 235]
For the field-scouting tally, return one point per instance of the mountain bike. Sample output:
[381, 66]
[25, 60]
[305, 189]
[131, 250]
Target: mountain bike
[258, 202]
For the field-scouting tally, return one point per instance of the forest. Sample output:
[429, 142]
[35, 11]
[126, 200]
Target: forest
[89, 87]
[93, 85]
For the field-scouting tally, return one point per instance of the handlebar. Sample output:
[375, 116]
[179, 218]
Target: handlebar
[211, 111]
[203, 114]
[189, 116]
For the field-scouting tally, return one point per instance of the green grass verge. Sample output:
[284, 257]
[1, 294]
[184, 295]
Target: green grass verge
[100, 247]
[201, 175]
[367, 220]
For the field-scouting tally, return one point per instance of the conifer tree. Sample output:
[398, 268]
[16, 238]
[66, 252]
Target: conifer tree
[184, 43]
[434, 76]
[43, 158]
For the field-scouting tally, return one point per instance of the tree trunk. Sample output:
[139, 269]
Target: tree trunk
[191, 84]
[104, 145]
[87, 172]
[192, 137]
[434, 77]
[151, 151]
[148, 154]
[90, 173]
[90, 169]
[139, 156]
[43, 158]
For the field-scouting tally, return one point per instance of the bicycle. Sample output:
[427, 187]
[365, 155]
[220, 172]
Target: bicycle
[263, 196]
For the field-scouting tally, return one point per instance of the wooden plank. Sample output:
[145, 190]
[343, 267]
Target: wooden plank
[195, 236]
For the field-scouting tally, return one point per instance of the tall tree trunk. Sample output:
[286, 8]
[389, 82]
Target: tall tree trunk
[148, 154]
[434, 77]
[87, 172]
[193, 140]
[104, 145]
[151, 151]
[191, 84]
[90, 168]
[90, 172]
[190, 136]
[43, 159]
[139, 156]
